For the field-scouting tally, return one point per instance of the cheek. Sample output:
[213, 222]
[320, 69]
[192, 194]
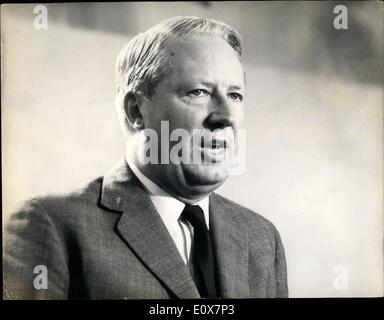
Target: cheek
[158, 110]
[239, 116]
[180, 113]
[186, 116]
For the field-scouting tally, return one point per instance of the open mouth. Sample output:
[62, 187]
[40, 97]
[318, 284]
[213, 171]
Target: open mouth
[213, 150]
[215, 144]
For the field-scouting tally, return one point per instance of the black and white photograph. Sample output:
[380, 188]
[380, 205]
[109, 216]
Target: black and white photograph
[192, 150]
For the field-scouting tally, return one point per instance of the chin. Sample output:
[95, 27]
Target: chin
[205, 176]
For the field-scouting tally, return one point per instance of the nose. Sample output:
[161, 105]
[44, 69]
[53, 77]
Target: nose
[222, 114]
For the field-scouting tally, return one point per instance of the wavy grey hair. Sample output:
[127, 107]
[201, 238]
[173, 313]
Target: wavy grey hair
[142, 62]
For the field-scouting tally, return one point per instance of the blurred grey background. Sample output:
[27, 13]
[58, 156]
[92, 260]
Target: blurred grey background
[314, 120]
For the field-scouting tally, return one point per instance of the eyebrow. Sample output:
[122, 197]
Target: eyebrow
[231, 87]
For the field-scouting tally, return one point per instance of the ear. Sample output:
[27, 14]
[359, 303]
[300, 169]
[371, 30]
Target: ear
[133, 116]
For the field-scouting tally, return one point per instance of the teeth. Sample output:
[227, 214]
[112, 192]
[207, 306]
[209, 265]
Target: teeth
[215, 144]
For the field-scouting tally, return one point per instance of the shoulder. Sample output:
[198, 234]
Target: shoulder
[53, 208]
[85, 194]
[45, 231]
[252, 221]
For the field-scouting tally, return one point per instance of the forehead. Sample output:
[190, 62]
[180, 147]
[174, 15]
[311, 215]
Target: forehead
[206, 57]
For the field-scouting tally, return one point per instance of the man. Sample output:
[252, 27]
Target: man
[147, 229]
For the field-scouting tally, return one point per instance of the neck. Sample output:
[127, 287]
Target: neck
[151, 173]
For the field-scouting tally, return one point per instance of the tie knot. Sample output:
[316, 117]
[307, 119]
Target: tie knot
[195, 215]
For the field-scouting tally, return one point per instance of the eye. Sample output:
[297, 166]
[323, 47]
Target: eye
[198, 93]
[235, 96]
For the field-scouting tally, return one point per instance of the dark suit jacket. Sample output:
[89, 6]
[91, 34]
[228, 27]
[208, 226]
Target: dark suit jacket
[106, 241]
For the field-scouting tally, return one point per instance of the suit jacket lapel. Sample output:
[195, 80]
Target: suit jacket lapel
[231, 246]
[144, 231]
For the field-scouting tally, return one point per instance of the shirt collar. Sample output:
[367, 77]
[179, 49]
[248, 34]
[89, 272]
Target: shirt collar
[166, 205]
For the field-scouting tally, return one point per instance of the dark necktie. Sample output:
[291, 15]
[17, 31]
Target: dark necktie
[201, 259]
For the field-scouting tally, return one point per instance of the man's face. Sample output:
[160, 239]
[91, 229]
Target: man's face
[203, 88]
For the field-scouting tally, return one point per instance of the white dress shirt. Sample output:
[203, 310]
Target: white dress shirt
[170, 209]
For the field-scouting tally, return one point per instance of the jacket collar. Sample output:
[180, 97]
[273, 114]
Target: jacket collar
[231, 246]
[143, 230]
